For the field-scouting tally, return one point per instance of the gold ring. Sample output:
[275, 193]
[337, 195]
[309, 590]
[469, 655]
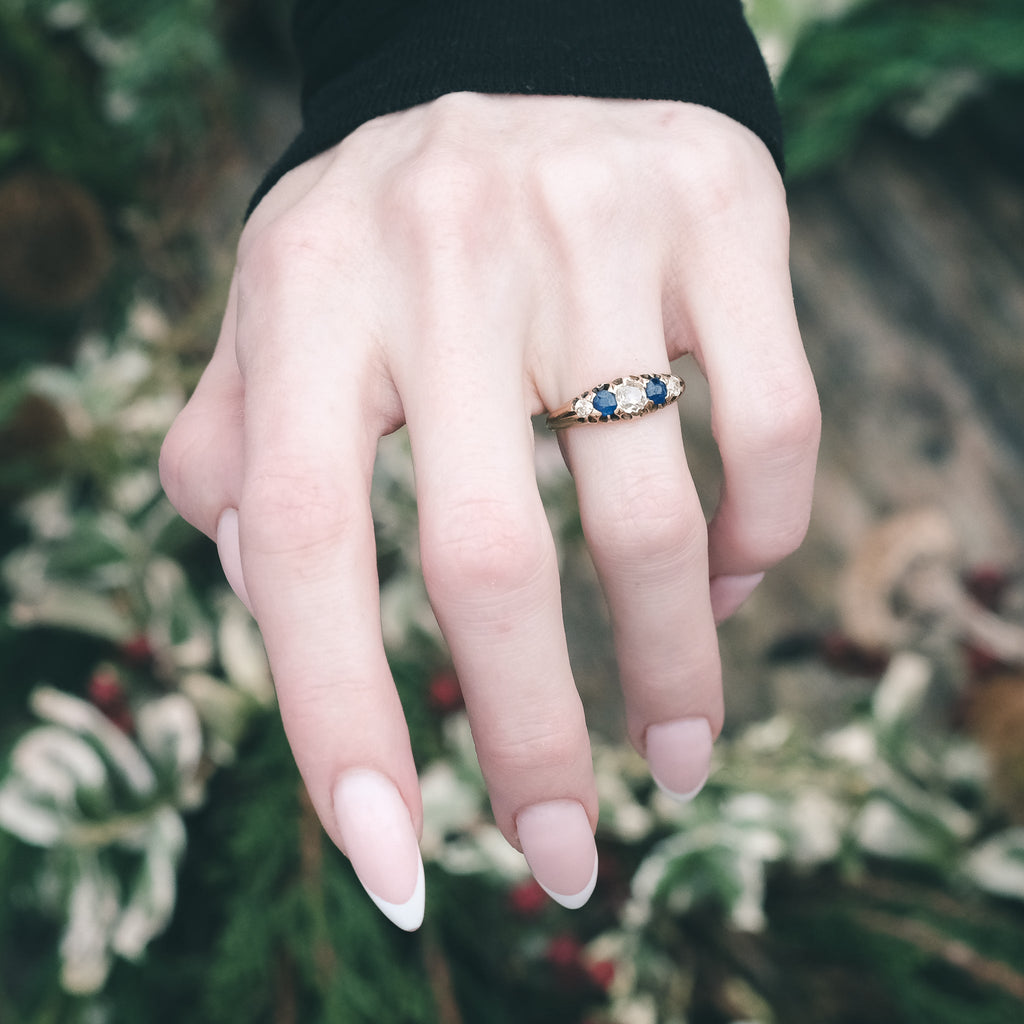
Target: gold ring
[624, 398]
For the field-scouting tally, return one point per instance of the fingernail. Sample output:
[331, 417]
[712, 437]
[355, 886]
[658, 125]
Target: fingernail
[230, 552]
[377, 836]
[729, 592]
[679, 756]
[558, 844]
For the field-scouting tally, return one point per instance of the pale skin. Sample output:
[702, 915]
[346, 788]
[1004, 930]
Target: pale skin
[460, 267]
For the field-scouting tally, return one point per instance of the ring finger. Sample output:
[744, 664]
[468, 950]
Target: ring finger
[647, 535]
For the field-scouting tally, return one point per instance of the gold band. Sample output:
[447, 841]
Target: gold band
[624, 398]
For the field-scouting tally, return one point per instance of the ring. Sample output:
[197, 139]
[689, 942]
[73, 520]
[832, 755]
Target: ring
[624, 398]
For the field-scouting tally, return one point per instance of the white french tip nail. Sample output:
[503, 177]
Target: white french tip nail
[577, 900]
[408, 915]
[559, 846]
[377, 835]
[682, 798]
[230, 552]
[679, 756]
[729, 592]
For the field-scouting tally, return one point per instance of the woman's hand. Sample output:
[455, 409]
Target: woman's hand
[460, 267]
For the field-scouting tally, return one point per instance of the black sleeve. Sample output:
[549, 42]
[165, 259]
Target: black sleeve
[364, 58]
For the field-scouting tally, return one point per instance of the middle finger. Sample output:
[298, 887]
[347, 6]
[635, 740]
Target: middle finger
[491, 570]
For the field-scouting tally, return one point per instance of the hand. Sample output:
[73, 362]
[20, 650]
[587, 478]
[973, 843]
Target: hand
[459, 267]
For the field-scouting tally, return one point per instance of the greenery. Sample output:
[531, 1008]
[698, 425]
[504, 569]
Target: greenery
[914, 60]
[159, 857]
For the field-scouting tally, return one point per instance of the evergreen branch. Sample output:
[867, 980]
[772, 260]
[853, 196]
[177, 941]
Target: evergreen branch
[440, 977]
[121, 828]
[286, 1003]
[311, 872]
[994, 973]
[885, 890]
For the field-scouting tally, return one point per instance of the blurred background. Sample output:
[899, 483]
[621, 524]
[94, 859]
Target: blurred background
[858, 853]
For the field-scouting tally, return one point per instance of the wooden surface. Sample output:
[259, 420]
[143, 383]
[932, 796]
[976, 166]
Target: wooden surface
[908, 272]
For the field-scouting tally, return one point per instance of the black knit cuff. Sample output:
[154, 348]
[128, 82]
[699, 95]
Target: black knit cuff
[358, 65]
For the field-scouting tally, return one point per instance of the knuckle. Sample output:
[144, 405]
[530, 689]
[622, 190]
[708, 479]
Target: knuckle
[784, 426]
[797, 422]
[539, 747]
[728, 176]
[782, 437]
[289, 510]
[649, 520]
[787, 536]
[176, 456]
[575, 189]
[460, 108]
[482, 546]
[768, 541]
[715, 180]
[172, 459]
[443, 192]
[288, 248]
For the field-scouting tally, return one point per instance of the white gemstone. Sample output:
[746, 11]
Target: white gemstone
[584, 407]
[673, 386]
[631, 396]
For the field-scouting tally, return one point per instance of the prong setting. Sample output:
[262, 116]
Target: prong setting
[624, 398]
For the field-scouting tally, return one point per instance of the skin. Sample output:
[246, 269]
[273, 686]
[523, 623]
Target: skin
[460, 267]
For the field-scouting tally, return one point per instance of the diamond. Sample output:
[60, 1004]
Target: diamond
[630, 395]
[674, 387]
[583, 407]
[605, 402]
[657, 392]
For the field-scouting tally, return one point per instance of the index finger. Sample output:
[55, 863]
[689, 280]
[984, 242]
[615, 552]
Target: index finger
[313, 410]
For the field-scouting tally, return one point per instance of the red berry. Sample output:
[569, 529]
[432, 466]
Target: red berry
[106, 692]
[564, 951]
[138, 650]
[603, 973]
[105, 689]
[527, 899]
[982, 664]
[988, 584]
[445, 693]
[123, 719]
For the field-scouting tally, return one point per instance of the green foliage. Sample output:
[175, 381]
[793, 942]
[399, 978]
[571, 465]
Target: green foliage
[913, 943]
[914, 58]
[93, 88]
[295, 926]
[812, 880]
[52, 119]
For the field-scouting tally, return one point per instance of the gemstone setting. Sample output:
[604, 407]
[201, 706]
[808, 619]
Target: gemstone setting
[621, 399]
[657, 391]
[605, 402]
[583, 407]
[630, 395]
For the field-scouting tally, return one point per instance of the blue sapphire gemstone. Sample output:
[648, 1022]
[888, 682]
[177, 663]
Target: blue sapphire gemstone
[657, 392]
[604, 402]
